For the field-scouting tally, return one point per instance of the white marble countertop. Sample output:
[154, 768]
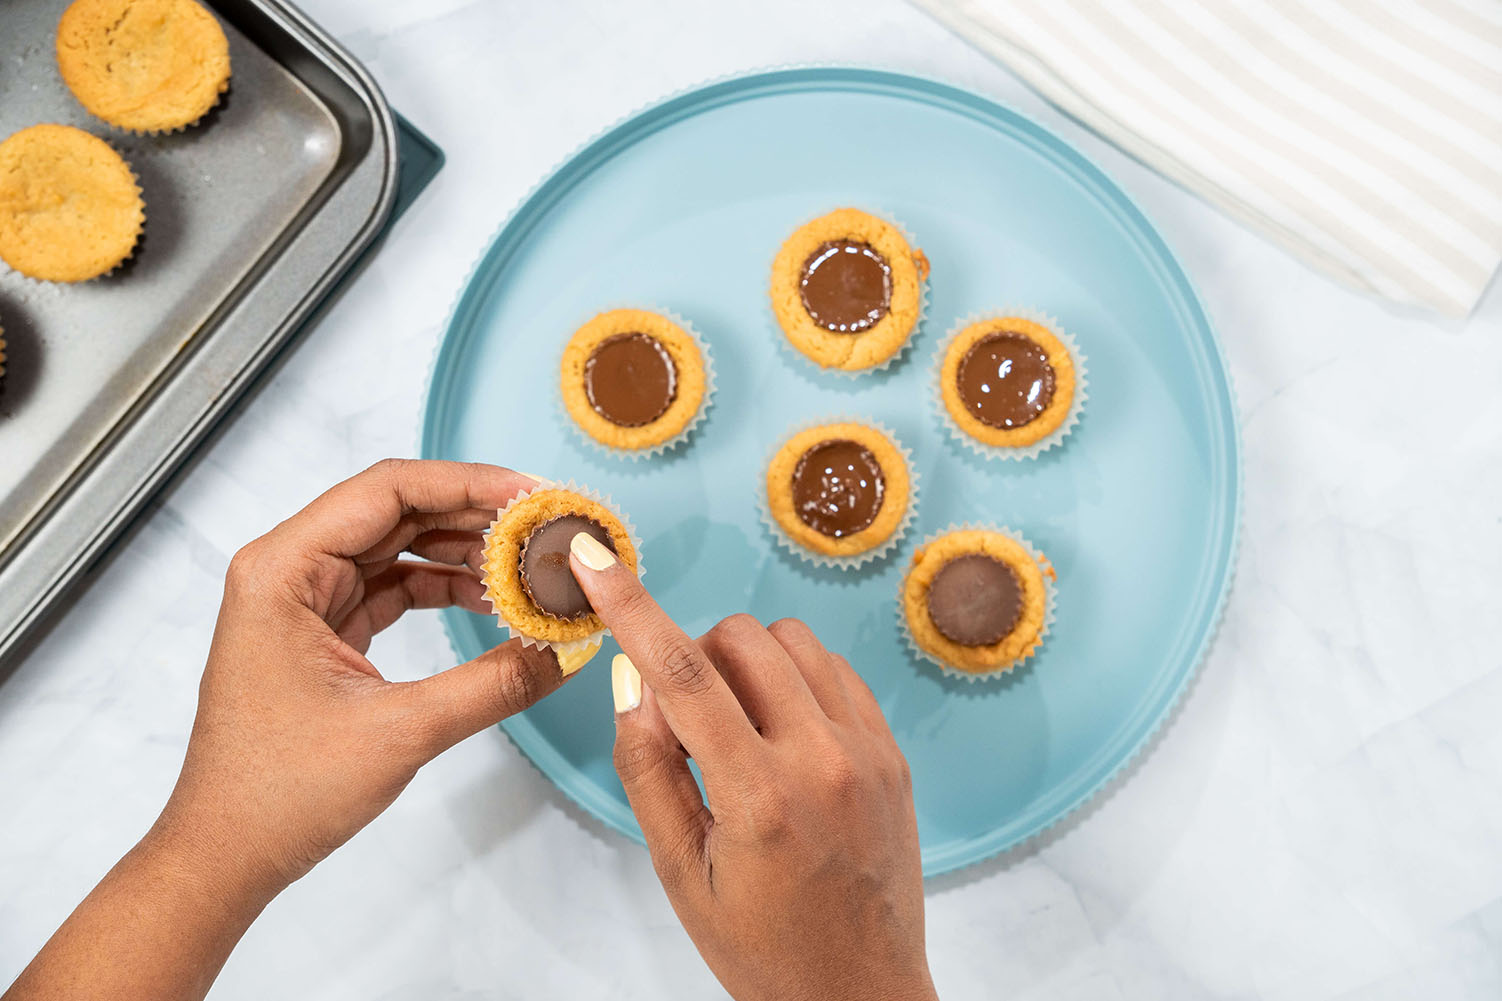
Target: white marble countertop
[1322, 819]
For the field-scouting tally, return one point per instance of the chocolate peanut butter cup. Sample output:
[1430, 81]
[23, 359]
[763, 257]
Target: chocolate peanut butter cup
[528, 579]
[977, 601]
[847, 290]
[846, 286]
[634, 381]
[1005, 380]
[1011, 386]
[840, 493]
[838, 487]
[545, 572]
[630, 379]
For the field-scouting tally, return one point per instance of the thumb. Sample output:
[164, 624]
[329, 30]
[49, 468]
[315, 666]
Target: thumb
[653, 768]
[477, 694]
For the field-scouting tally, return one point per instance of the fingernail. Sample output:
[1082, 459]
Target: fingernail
[591, 553]
[625, 682]
[532, 476]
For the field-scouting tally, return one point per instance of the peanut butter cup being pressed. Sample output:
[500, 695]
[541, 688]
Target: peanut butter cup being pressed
[838, 490]
[527, 577]
[976, 601]
[1009, 383]
[847, 290]
[634, 380]
[545, 572]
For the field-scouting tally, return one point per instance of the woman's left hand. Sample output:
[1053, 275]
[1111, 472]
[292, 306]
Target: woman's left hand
[299, 741]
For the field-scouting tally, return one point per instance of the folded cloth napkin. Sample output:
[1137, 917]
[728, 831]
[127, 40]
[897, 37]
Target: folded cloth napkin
[1363, 135]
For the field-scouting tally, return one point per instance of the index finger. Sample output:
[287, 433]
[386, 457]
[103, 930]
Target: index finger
[696, 701]
[351, 517]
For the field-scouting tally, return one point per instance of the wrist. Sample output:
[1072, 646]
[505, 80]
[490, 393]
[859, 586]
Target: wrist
[198, 860]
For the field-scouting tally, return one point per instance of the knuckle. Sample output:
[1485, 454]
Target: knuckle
[840, 777]
[740, 622]
[249, 565]
[519, 686]
[389, 465]
[635, 756]
[790, 628]
[682, 667]
[771, 819]
[634, 606]
[904, 771]
[725, 634]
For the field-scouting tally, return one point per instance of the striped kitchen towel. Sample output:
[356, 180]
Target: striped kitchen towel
[1363, 135]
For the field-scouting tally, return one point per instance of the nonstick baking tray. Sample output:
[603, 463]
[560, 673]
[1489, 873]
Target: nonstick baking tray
[253, 217]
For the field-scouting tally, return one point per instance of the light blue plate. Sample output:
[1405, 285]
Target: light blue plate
[682, 208]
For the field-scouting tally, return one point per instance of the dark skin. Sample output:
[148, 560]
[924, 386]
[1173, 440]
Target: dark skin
[785, 881]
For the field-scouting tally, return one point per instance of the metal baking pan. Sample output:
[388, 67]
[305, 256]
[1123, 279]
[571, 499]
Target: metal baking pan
[252, 217]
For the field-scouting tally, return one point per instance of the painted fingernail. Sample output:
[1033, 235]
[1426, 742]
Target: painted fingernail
[591, 553]
[625, 682]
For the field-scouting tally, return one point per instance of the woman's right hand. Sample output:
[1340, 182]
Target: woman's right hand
[800, 878]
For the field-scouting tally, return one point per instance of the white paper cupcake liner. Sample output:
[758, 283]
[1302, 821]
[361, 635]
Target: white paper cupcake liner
[563, 646]
[1050, 607]
[1053, 438]
[637, 454]
[877, 552]
[39, 283]
[803, 360]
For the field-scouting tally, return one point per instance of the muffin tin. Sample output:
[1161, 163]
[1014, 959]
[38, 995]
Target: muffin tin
[251, 219]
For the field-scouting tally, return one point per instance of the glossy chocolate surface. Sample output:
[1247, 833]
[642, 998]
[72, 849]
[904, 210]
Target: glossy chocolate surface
[838, 487]
[975, 600]
[846, 286]
[545, 572]
[1005, 380]
[630, 379]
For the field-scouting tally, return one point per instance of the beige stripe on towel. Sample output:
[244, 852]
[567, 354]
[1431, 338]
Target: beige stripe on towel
[1363, 135]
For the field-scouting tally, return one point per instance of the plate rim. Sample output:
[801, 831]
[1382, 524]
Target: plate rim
[1160, 702]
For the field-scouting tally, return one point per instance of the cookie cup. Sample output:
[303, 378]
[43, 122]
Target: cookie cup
[872, 542]
[1052, 426]
[887, 340]
[693, 365]
[1034, 572]
[501, 569]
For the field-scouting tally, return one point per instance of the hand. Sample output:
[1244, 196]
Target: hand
[299, 742]
[801, 878]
